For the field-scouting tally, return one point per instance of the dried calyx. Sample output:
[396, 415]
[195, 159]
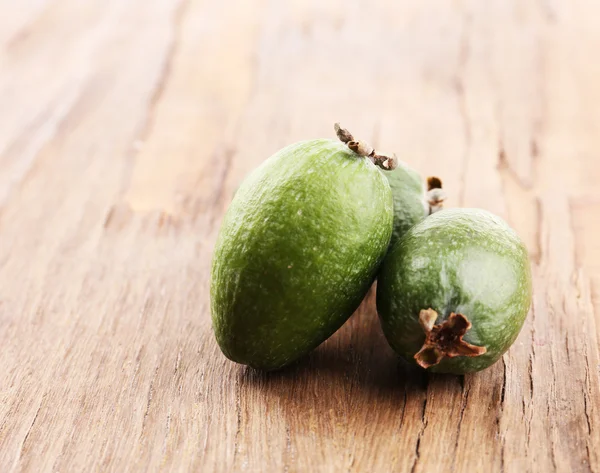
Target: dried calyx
[435, 194]
[362, 148]
[444, 340]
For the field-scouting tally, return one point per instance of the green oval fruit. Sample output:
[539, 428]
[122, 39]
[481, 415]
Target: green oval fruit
[410, 206]
[298, 249]
[454, 292]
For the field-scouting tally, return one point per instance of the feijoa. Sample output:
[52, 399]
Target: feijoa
[453, 293]
[298, 249]
[411, 203]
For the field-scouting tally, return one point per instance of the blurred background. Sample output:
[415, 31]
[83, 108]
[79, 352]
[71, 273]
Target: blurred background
[125, 128]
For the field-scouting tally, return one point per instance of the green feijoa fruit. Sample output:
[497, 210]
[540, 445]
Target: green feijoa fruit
[411, 203]
[297, 251]
[454, 292]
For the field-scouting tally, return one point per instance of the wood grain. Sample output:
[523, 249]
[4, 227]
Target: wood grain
[125, 128]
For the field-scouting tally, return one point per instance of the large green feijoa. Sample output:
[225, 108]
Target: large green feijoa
[411, 203]
[298, 249]
[454, 292]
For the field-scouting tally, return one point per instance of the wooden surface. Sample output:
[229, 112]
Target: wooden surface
[126, 126]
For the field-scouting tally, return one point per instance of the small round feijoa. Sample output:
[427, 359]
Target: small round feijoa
[453, 293]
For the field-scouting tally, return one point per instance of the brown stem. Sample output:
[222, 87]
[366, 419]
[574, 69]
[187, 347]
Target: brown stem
[444, 340]
[362, 148]
[434, 183]
[435, 194]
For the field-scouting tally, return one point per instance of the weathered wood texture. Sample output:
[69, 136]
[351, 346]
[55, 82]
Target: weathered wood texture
[125, 127]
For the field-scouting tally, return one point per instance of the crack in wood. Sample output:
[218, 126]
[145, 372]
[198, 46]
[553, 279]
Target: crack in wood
[167, 68]
[147, 124]
[225, 160]
[465, 390]
[238, 429]
[417, 451]
[29, 429]
[537, 256]
[149, 397]
[499, 416]
[586, 407]
[504, 167]
[166, 439]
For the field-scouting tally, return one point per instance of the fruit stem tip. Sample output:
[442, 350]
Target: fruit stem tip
[344, 135]
[362, 148]
[434, 183]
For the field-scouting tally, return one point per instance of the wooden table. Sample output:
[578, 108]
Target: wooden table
[125, 128]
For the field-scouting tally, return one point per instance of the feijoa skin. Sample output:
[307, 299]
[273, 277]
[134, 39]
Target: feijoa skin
[411, 203]
[453, 293]
[298, 249]
[410, 206]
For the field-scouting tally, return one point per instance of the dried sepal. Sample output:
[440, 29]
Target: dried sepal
[435, 199]
[427, 319]
[444, 340]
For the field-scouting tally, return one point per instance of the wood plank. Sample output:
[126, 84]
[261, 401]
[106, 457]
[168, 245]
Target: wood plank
[124, 131]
